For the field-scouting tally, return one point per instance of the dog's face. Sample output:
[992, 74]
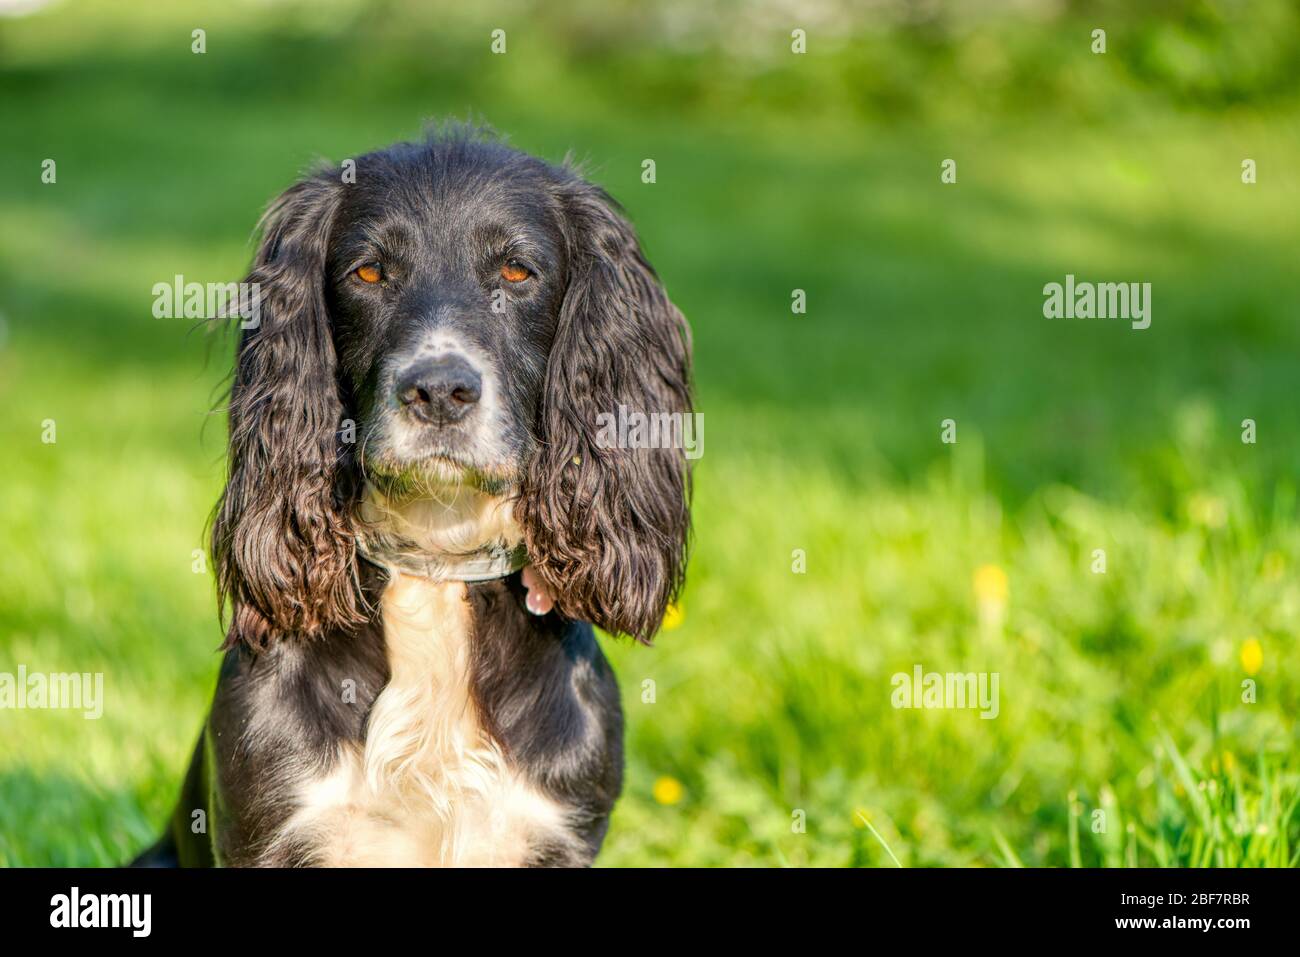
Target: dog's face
[459, 317]
[444, 286]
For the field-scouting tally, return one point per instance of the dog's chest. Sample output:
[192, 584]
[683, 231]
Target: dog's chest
[429, 787]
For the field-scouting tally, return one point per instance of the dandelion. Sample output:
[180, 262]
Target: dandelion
[1207, 510]
[990, 585]
[668, 790]
[1252, 656]
[673, 616]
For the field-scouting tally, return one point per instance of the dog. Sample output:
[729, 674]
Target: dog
[419, 528]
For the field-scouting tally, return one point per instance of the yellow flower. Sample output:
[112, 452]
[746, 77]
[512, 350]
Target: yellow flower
[668, 790]
[673, 617]
[1208, 510]
[1252, 656]
[990, 584]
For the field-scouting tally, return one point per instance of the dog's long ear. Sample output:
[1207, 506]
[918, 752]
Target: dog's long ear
[281, 538]
[607, 527]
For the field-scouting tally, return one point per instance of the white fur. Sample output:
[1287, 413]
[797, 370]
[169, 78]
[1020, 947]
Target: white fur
[455, 520]
[430, 787]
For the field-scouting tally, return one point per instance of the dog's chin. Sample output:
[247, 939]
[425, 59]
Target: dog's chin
[439, 506]
[439, 475]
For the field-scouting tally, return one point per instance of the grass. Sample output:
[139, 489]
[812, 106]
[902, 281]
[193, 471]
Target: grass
[760, 728]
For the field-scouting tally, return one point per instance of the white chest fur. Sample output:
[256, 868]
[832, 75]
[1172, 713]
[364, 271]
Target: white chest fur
[429, 787]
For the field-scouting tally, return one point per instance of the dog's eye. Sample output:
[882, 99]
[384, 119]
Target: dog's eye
[370, 272]
[514, 271]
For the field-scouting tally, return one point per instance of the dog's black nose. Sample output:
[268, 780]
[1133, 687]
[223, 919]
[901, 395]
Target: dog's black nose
[440, 391]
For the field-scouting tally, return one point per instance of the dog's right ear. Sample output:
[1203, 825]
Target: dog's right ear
[282, 540]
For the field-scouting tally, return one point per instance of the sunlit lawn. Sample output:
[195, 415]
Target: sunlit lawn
[770, 738]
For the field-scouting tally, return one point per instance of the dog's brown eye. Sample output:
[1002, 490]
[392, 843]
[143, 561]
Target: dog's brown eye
[514, 271]
[370, 272]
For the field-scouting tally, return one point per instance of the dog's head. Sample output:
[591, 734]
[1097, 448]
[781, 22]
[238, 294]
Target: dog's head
[437, 341]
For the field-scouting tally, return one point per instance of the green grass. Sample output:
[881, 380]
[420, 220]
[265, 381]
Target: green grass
[1120, 692]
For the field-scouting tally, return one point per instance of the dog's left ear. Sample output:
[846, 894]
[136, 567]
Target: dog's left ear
[281, 537]
[607, 527]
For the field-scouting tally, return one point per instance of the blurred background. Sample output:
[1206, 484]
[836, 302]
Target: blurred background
[771, 739]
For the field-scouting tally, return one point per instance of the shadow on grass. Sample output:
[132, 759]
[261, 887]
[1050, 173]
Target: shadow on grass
[55, 820]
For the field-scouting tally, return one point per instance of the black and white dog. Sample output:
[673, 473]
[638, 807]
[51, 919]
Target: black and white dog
[412, 422]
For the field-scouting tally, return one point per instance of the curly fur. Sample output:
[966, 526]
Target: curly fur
[282, 539]
[606, 528]
[364, 716]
